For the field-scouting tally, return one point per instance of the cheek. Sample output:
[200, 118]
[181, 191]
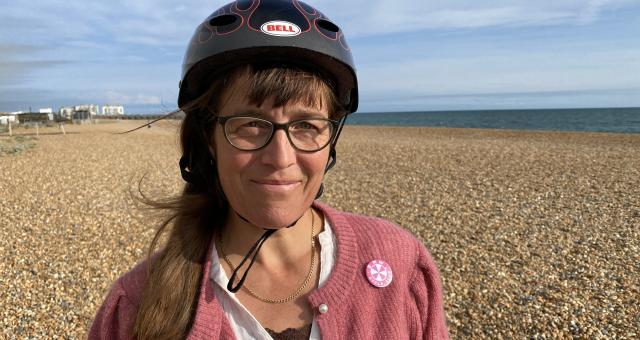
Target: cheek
[230, 163]
[315, 165]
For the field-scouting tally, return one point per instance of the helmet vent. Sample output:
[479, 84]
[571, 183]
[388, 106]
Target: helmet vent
[222, 20]
[327, 25]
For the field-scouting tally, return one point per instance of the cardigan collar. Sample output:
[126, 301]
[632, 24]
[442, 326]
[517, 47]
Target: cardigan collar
[206, 323]
[338, 286]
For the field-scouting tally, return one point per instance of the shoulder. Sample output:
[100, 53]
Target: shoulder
[115, 317]
[131, 284]
[415, 289]
[379, 228]
[379, 239]
[374, 231]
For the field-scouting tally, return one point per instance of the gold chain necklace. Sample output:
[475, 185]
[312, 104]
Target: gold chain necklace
[299, 290]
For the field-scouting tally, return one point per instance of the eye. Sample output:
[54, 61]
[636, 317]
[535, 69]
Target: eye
[304, 125]
[247, 126]
[309, 125]
[255, 123]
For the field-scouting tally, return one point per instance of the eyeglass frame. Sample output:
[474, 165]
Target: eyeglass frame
[222, 120]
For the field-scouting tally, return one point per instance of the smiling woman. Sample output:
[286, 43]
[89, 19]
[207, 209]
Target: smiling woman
[263, 116]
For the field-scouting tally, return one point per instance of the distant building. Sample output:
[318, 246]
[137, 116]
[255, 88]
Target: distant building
[81, 115]
[6, 118]
[34, 117]
[112, 110]
[91, 108]
[66, 112]
[46, 110]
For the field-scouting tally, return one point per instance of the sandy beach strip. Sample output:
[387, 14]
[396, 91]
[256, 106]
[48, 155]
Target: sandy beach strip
[536, 234]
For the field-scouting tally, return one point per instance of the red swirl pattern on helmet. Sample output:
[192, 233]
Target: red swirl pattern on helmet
[249, 14]
[306, 8]
[246, 4]
[251, 10]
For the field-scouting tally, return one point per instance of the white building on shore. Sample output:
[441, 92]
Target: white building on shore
[66, 112]
[112, 110]
[91, 108]
[7, 117]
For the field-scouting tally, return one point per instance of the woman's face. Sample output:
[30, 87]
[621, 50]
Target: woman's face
[273, 186]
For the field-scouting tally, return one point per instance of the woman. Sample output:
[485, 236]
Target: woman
[266, 88]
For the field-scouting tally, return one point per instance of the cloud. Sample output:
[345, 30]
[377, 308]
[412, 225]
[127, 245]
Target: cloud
[51, 22]
[121, 98]
[19, 63]
[593, 9]
[368, 18]
[515, 71]
[524, 100]
[170, 23]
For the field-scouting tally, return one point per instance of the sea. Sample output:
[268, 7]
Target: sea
[619, 120]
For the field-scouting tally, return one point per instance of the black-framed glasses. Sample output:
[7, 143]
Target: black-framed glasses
[251, 133]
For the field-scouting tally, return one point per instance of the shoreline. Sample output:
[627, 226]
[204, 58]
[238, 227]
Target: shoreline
[53, 129]
[491, 129]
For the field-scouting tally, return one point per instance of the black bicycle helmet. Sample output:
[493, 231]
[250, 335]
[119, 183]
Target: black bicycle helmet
[270, 31]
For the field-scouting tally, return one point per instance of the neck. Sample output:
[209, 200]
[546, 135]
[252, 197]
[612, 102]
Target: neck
[284, 248]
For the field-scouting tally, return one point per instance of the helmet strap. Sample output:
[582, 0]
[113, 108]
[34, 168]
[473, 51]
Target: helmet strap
[253, 253]
[332, 154]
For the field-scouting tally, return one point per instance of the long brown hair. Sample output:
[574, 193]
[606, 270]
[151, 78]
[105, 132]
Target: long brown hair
[170, 294]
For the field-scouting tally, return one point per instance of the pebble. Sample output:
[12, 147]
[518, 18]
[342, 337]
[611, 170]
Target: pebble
[536, 234]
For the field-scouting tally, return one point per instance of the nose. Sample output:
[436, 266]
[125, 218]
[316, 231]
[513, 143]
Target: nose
[279, 153]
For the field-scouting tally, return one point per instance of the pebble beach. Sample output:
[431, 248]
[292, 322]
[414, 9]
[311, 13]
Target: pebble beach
[536, 234]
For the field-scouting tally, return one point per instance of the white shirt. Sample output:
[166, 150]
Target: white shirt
[243, 323]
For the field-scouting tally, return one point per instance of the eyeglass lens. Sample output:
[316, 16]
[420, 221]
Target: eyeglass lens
[247, 133]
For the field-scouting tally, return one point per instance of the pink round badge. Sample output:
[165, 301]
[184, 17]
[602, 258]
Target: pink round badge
[379, 273]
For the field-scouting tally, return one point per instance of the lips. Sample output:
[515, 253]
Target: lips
[276, 185]
[275, 182]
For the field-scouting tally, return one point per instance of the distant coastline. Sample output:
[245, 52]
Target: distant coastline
[619, 120]
[616, 120]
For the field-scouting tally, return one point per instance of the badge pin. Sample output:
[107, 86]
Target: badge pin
[379, 273]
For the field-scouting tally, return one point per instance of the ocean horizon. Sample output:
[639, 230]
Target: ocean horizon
[619, 120]
[615, 119]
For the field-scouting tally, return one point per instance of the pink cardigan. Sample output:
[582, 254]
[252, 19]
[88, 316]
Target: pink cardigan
[409, 308]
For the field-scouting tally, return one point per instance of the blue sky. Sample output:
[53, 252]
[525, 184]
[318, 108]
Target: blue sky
[410, 54]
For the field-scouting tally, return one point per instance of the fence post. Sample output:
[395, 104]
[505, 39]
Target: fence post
[10, 133]
[37, 130]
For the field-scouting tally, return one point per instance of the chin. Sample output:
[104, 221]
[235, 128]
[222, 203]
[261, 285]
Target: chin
[278, 214]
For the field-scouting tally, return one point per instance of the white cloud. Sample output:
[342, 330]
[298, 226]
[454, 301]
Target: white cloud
[366, 18]
[16, 64]
[525, 71]
[121, 98]
[171, 22]
[161, 22]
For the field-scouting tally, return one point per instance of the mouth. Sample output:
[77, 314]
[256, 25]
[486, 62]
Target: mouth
[276, 185]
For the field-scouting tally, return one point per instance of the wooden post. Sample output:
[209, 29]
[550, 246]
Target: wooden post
[37, 130]
[62, 128]
[10, 133]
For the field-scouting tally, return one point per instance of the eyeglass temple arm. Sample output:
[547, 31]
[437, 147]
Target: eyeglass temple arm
[332, 151]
